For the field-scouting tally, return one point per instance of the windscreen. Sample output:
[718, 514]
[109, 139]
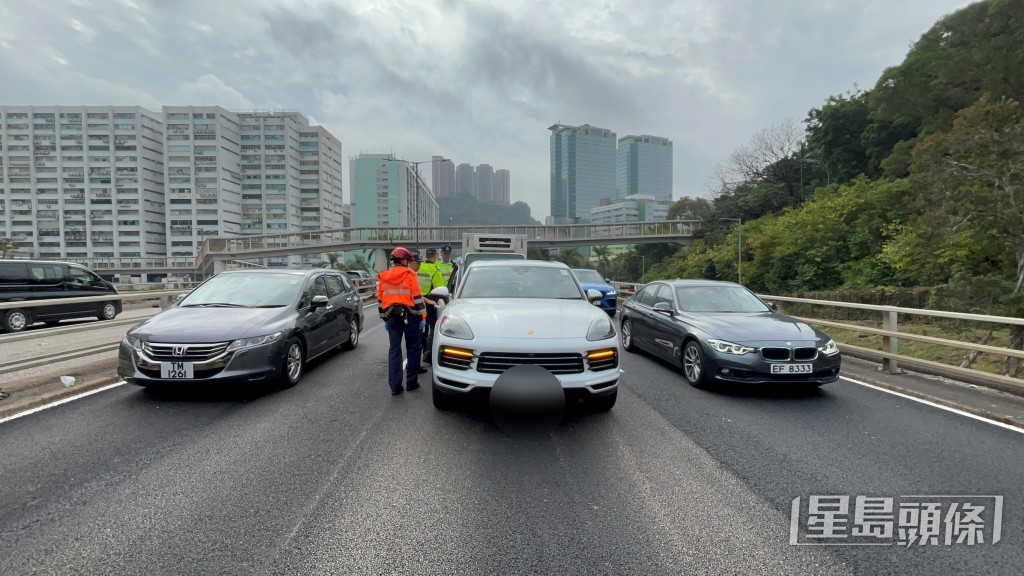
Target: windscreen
[588, 277]
[520, 282]
[721, 299]
[247, 290]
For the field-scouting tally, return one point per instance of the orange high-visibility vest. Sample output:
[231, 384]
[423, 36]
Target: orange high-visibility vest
[399, 286]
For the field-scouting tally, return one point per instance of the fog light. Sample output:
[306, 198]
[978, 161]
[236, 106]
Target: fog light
[600, 354]
[725, 371]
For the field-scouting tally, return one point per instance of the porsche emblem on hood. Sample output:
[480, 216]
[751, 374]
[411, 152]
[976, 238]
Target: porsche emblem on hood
[530, 332]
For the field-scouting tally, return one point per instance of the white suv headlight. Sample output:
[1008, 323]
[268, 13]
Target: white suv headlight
[730, 348]
[600, 329]
[829, 349]
[254, 341]
[455, 327]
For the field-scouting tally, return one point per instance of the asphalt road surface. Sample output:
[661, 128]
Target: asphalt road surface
[336, 476]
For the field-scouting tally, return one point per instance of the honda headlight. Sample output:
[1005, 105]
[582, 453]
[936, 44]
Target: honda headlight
[730, 348]
[254, 341]
[455, 327]
[600, 329]
[829, 349]
[132, 342]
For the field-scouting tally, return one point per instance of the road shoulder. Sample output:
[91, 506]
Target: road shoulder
[972, 399]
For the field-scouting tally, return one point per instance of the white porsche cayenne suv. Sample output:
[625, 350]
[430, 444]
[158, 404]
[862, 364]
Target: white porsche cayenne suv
[512, 312]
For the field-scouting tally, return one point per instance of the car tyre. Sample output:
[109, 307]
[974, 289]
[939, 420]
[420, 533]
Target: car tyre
[442, 401]
[604, 403]
[16, 321]
[107, 312]
[627, 336]
[353, 337]
[694, 367]
[294, 363]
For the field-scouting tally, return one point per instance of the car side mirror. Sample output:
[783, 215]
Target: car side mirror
[179, 298]
[440, 291]
[664, 307]
[319, 302]
[773, 306]
[594, 296]
[608, 280]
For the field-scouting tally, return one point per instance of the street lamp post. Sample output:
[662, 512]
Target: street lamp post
[739, 248]
[643, 267]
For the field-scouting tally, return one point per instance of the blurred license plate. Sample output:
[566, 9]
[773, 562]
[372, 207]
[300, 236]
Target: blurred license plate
[792, 369]
[176, 370]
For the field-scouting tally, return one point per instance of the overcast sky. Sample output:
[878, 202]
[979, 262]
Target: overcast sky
[478, 82]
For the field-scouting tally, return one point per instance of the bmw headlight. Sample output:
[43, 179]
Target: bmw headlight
[610, 293]
[730, 348]
[455, 327]
[829, 349]
[254, 341]
[600, 329]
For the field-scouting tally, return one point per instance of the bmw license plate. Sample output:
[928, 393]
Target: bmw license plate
[792, 369]
[176, 370]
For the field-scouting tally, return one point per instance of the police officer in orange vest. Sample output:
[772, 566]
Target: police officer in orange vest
[401, 306]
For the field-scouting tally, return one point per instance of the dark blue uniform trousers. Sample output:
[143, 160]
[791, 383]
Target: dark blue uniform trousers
[410, 328]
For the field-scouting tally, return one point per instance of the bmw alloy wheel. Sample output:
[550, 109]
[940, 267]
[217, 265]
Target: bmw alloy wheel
[693, 364]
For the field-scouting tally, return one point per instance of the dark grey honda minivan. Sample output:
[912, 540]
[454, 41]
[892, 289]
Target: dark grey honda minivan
[248, 325]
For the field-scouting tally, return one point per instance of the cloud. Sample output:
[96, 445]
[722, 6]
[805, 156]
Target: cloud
[211, 90]
[477, 82]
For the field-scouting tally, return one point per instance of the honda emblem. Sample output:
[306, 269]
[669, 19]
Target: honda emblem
[179, 350]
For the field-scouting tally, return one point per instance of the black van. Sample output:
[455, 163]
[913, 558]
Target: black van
[24, 280]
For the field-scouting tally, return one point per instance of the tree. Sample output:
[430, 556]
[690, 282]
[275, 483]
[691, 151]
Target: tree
[333, 262]
[8, 248]
[834, 132]
[604, 262]
[687, 208]
[973, 175]
[771, 155]
[570, 257]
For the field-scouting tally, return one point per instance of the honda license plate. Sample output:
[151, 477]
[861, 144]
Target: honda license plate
[176, 370]
[792, 368]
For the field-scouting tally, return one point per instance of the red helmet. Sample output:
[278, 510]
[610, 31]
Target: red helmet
[401, 254]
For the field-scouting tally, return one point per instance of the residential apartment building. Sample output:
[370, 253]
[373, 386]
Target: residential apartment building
[643, 166]
[388, 192]
[582, 171]
[631, 209]
[203, 176]
[442, 175]
[465, 180]
[81, 182]
[484, 183]
[502, 186]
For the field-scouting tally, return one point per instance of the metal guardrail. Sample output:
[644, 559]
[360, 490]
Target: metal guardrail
[123, 296]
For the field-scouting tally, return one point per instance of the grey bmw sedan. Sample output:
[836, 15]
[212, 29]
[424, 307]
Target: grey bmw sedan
[245, 326]
[722, 332]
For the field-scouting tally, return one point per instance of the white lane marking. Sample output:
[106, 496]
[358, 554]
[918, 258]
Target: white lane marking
[64, 401]
[939, 406]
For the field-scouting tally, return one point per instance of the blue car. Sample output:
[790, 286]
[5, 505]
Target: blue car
[593, 279]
